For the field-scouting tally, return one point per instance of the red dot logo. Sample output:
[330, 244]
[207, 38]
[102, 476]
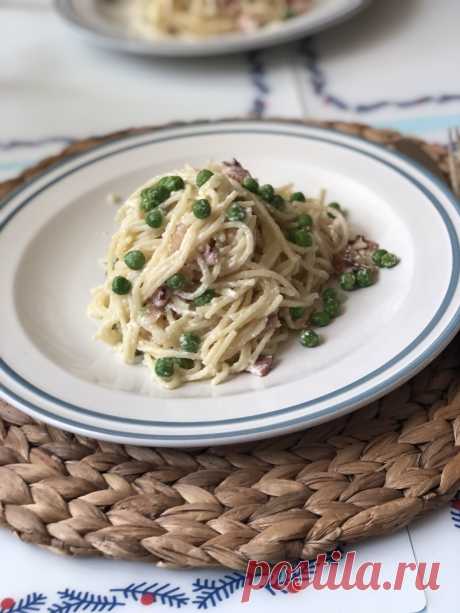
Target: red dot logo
[147, 599]
[7, 603]
[387, 585]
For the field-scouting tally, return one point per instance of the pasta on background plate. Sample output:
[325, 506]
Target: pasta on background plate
[203, 18]
[209, 271]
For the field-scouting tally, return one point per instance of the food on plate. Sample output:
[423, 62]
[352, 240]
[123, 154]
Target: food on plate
[210, 270]
[203, 18]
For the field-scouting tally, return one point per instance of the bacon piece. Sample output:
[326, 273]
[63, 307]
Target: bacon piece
[229, 7]
[361, 243]
[262, 366]
[154, 308]
[235, 171]
[160, 297]
[192, 272]
[347, 261]
[211, 253]
[273, 321]
[338, 263]
[247, 24]
[299, 6]
[356, 255]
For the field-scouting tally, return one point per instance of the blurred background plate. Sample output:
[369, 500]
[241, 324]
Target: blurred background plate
[110, 23]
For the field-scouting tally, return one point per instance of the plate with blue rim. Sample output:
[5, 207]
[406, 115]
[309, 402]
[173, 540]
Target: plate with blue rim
[110, 23]
[56, 227]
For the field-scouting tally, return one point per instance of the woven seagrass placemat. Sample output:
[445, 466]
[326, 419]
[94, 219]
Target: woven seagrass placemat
[292, 497]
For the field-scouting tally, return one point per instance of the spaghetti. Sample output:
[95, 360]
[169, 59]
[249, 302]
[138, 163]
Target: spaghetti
[203, 18]
[208, 272]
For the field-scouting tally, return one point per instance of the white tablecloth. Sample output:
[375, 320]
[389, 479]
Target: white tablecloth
[395, 65]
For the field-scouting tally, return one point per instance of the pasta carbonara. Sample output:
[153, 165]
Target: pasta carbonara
[209, 271]
[202, 18]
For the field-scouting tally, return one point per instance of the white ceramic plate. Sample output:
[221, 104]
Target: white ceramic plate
[56, 228]
[109, 23]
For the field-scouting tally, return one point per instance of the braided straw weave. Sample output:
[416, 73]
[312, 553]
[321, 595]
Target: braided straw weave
[287, 498]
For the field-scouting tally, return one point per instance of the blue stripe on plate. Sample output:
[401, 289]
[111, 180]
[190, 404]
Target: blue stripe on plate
[359, 399]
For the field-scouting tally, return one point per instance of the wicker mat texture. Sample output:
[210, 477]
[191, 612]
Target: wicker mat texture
[292, 497]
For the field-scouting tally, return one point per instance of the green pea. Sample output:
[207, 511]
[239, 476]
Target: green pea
[309, 338]
[121, 285]
[184, 363]
[204, 298]
[266, 192]
[301, 237]
[176, 282]
[173, 183]
[152, 197]
[250, 184]
[164, 367]
[201, 209]
[364, 277]
[332, 307]
[154, 218]
[236, 212]
[190, 342]
[134, 260]
[347, 281]
[298, 197]
[389, 260]
[336, 206]
[304, 221]
[278, 202]
[321, 318]
[377, 257]
[330, 294]
[297, 312]
[203, 177]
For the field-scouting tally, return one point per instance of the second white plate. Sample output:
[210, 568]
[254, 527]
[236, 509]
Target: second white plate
[56, 228]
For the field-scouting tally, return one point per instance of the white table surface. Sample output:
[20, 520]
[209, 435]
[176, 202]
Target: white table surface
[395, 65]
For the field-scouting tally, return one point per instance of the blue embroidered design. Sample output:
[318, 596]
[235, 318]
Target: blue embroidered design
[258, 76]
[212, 591]
[163, 593]
[31, 602]
[319, 83]
[72, 601]
[208, 593]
